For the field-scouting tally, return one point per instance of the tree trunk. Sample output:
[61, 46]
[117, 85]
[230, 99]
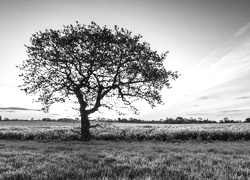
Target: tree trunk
[85, 125]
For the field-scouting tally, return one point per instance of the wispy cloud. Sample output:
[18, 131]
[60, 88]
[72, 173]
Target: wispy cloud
[234, 112]
[7, 111]
[207, 97]
[198, 114]
[17, 109]
[220, 84]
[242, 30]
[230, 111]
[244, 97]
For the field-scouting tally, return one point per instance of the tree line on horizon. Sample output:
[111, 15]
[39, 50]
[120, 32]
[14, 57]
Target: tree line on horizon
[178, 120]
[181, 120]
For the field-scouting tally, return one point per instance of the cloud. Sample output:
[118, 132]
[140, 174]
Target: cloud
[239, 38]
[8, 111]
[243, 97]
[226, 71]
[207, 97]
[234, 112]
[242, 30]
[198, 114]
[203, 98]
[5, 109]
[219, 86]
[230, 111]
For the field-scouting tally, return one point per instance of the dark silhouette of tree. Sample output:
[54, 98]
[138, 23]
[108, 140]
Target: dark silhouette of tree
[95, 67]
[247, 120]
[180, 120]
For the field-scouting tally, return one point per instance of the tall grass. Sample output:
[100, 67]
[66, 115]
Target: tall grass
[221, 132]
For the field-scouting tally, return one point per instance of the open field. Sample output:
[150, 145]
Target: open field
[35, 130]
[24, 160]
[49, 150]
[38, 124]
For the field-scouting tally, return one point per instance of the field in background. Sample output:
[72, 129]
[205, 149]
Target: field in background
[40, 130]
[23, 124]
[229, 126]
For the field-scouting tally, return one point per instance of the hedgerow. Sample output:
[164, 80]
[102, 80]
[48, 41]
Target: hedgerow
[111, 132]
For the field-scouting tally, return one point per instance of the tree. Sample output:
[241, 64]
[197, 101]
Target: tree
[180, 119]
[91, 65]
[247, 120]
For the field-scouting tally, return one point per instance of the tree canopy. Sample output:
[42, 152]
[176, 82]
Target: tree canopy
[94, 65]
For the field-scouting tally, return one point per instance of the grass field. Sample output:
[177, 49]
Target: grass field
[49, 150]
[25, 160]
[26, 130]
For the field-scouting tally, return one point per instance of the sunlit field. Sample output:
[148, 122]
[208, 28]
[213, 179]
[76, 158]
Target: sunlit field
[52, 150]
[39, 130]
[24, 160]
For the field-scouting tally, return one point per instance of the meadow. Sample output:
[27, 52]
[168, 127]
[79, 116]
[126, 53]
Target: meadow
[39, 130]
[51, 150]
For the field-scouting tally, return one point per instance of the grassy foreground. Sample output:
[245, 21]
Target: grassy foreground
[24, 160]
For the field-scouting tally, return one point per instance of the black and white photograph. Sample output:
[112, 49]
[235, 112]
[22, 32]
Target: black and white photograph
[124, 89]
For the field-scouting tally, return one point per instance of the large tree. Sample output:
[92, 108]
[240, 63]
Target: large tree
[96, 65]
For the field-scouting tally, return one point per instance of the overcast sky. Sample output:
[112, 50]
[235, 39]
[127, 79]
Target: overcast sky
[208, 40]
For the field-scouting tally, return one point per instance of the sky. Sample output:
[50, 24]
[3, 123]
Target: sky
[208, 44]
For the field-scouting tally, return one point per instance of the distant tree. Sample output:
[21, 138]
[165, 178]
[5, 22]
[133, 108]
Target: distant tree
[46, 119]
[95, 67]
[0, 118]
[180, 119]
[77, 119]
[247, 120]
[200, 119]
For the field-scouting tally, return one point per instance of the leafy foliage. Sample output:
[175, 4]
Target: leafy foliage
[90, 65]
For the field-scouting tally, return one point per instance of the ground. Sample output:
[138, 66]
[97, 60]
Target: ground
[124, 160]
